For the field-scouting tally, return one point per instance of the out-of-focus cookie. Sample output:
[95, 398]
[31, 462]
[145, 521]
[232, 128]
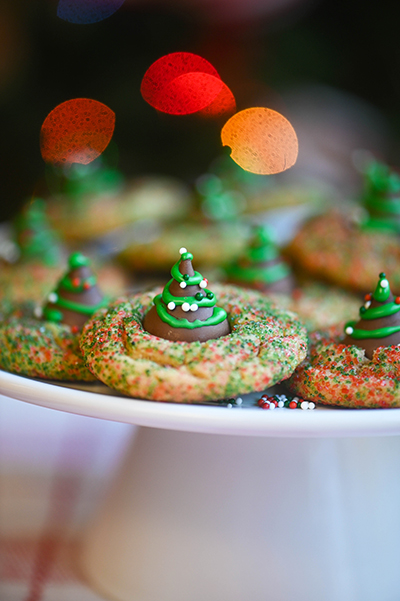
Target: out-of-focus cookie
[92, 215]
[348, 251]
[332, 248]
[320, 306]
[213, 244]
[34, 256]
[35, 259]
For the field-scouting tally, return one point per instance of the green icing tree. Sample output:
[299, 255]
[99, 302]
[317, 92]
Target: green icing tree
[185, 277]
[35, 239]
[186, 310]
[85, 180]
[381, 198]
[384, 307]
[218, 201]
[261, 262]
[76, 296]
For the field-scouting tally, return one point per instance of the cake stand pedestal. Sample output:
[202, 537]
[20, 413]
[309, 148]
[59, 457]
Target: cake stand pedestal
[214, 503]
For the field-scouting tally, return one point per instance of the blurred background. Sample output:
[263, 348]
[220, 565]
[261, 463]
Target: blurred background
[330, 67]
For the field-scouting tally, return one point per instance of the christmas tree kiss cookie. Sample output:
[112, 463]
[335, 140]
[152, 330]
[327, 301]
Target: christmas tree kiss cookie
[44, 342]
[186, 310]
[76, 296]
[382, 198]
[32, 260]
[261, 267]
[379, 323]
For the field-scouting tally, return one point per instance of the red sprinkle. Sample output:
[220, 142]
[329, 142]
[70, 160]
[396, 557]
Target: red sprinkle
[368, 296]
[397, 300]
[86, 285]
[293, 404]
[76, 282]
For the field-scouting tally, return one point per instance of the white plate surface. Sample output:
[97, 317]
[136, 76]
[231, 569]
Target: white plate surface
[98, 401]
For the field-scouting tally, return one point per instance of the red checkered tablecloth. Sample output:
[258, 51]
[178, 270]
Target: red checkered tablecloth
[55, 469]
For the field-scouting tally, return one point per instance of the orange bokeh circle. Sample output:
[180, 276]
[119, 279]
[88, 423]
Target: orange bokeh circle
[261, 140]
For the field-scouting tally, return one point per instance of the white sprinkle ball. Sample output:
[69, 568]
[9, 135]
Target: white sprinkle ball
[367, 304]
[185, 307]
[183, 284]
[38, 312]
[311, 405]
[229, 405]
[194, 307]
[304, 405]
[281, 404]
[182, 250]
[53, 297]
[239, 400]
[203, 284]
[384, 283]
[272, 406]
[171, 306]
[349, 330]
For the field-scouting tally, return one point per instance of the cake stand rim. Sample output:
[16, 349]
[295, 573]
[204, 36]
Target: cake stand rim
[206, 419]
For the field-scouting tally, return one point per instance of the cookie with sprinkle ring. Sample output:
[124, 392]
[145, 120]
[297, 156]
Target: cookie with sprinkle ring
[259, 344]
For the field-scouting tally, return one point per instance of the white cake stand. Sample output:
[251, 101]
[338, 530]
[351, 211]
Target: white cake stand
[215, 504]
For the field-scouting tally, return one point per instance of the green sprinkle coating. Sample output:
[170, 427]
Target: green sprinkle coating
[41, 349]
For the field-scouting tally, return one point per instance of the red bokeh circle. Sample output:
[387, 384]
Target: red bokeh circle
[183, 83]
